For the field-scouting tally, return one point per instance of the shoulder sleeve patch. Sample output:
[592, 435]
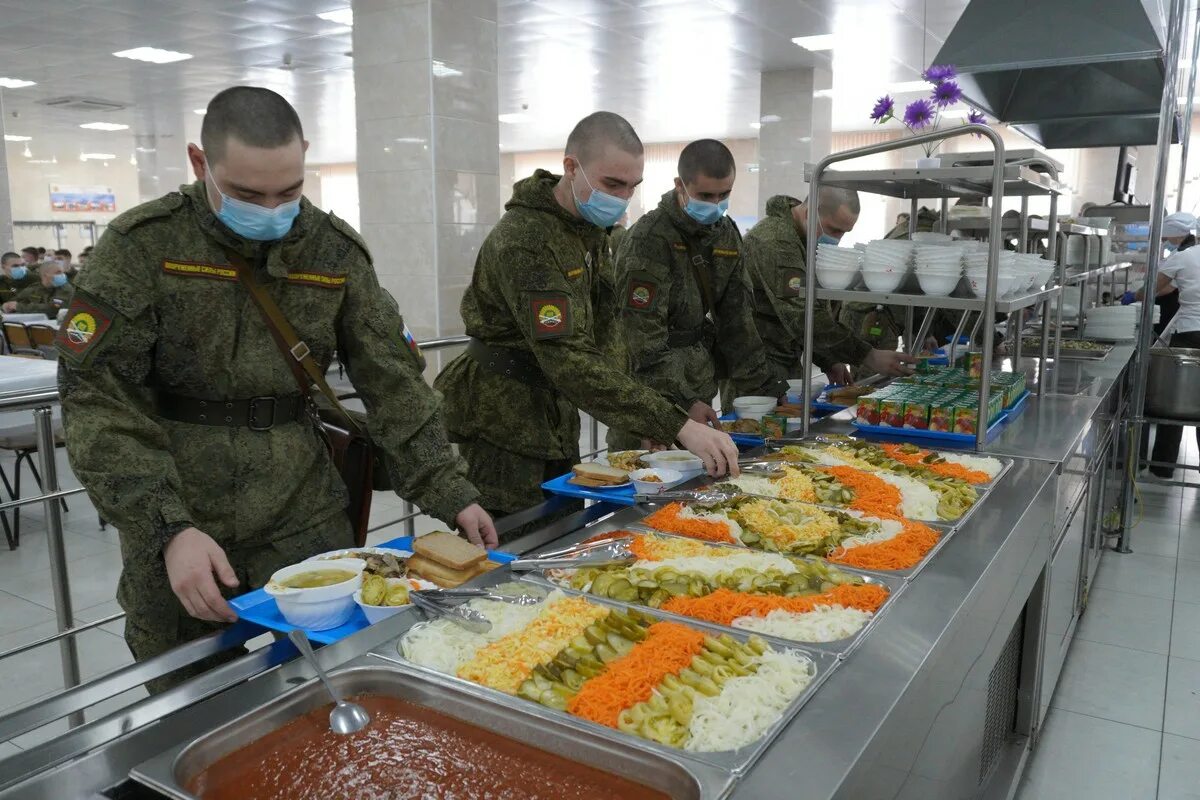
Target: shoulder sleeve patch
[791, 282]
[550, 315]
[87, 322]
[155, 209]
[641, 294]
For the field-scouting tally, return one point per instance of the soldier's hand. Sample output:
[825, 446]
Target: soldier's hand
[714, 447]
[475, 523]
[703, 413]
[839, 374]
[889, 362]
[192, 559]
[10, 306]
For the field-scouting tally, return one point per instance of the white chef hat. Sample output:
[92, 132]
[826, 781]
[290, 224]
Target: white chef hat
[1180, 223]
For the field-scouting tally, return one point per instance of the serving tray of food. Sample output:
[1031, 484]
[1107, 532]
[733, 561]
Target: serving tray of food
[633, 674]
[1079, 349]
[785, 599]
[616, 477]
[379, 589]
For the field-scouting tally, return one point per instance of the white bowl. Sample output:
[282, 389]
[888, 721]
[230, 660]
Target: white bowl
[681, 461]
[755, 402]
[323, 607]
[377, 613]
[927, 237]
[882, 280]
[666, 479]
[835, 278]
[938, 285]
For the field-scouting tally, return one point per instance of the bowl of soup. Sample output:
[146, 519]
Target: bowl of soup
[317, 595]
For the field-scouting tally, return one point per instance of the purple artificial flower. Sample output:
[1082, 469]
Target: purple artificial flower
[937, 73]
[918, 114]
[883, 108]
[976, 117]
[946, 94]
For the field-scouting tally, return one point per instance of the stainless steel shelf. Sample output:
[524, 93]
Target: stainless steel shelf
[940, 182]
[1003, 306]
[1095, 272]
[1010, 225]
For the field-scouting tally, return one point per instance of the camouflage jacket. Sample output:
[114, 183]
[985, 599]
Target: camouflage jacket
[538, 289]
[664, 304]
[9, 288]
[775, 259]
[160, 309]
[38, 299]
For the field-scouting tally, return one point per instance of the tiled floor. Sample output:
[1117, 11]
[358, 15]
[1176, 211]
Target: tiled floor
[1124, 722]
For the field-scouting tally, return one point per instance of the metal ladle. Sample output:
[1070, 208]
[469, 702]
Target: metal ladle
[346, 717]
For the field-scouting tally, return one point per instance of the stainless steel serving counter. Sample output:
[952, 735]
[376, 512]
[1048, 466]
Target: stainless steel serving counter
[942, 698]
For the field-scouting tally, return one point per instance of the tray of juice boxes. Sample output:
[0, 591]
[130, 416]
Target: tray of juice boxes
[941, 404]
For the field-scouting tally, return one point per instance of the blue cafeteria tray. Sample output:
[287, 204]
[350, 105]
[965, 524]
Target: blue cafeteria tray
[561, 486]
[259, 608]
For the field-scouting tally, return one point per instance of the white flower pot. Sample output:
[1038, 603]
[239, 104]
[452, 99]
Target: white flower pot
[932, 162]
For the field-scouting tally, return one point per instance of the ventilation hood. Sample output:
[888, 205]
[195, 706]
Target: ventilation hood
[1066, 73]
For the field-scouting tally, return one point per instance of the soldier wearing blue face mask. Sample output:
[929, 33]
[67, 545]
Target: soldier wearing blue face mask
[686, 301]
[48, 294]
[15, 276]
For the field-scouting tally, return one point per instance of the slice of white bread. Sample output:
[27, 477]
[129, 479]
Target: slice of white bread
[602, 473]
[444, 576]
[593, 484]
[448, 550]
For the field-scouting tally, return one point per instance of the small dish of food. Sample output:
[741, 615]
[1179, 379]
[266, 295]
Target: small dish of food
[653, 481]
[380, 598]
[681, 461]
[386, 562]
[627, 460]
[317, 596]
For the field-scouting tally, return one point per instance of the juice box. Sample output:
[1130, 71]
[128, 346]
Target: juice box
[867, 410]
[916, 413]
[891, 413]
[941, 416]
[966, 419]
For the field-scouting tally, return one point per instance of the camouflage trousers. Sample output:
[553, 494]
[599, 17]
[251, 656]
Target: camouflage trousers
[510, 482]
[156, 621]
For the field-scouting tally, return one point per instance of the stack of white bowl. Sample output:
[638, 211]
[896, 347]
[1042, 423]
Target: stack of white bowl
[939, 268]
[837, 267]
[1115, 322]
[886, 264]
[1035, 269]
[1008, 281]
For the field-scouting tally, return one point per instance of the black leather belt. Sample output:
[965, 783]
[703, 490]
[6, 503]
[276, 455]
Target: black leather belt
[256, 413]
[515, 364]
[684, 338]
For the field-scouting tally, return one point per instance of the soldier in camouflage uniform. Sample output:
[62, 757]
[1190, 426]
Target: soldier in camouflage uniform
[539, 319]
[15, 278]
[48, 295]
[183, 420]
[687, 303]
[776, 249]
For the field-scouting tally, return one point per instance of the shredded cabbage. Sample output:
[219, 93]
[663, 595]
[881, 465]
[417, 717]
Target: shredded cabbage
[991, 466]
[710, 566]
[822, 624]
[747, 706]
[917, 501]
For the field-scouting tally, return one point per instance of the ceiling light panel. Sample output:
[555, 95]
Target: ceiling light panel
[153, 55]
[12, 137]
[97, 156]
[15, 83]
[104, 126]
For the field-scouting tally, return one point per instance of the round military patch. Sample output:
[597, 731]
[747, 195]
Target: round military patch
[640, 296]
[550, 316]
[795, 284]
[81, 328]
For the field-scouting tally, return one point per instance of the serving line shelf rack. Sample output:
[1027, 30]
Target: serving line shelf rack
[1028, 177]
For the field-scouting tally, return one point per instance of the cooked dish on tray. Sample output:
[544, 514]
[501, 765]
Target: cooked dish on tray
[1068, 344]
[448, 560]
[847, 395]
[853, 538]
[626, 460]
[381, 564]
[793, 598]
[406, 751]
[661, 681]
[595, 475]
[316, 578]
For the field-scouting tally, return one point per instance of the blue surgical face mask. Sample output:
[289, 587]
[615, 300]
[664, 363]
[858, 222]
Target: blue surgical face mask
[252, 221]
[60, 279]
[1171, 246]
[19, 273]
[825, 238]
[601, 209]
[704, 212]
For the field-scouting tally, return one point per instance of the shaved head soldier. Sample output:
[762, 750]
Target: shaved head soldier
[687, 304]
[184, 420]
[538, 316]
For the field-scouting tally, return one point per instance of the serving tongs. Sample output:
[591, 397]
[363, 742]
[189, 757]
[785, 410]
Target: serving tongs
[704, 497]
[587, 554]
[432, 603]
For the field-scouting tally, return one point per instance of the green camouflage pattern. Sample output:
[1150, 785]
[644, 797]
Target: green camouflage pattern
[9, 288]
[538, 288]
[48, 300]
[662, 294]
[159, 309]
[776, 257]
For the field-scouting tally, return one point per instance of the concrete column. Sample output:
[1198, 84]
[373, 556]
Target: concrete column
[425, 79]
[6, 219]
[797, 127]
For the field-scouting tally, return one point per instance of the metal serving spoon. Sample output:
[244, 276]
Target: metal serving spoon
[346, 717]
[484, 594]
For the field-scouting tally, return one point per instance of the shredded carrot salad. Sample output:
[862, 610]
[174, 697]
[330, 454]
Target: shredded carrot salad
[904, 550]
[670, 519]
[947, 469]
[630, 679]
[603, 537]
[724, 606]
[872, 495]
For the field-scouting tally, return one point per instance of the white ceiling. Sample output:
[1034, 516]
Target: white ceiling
[677, 68]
